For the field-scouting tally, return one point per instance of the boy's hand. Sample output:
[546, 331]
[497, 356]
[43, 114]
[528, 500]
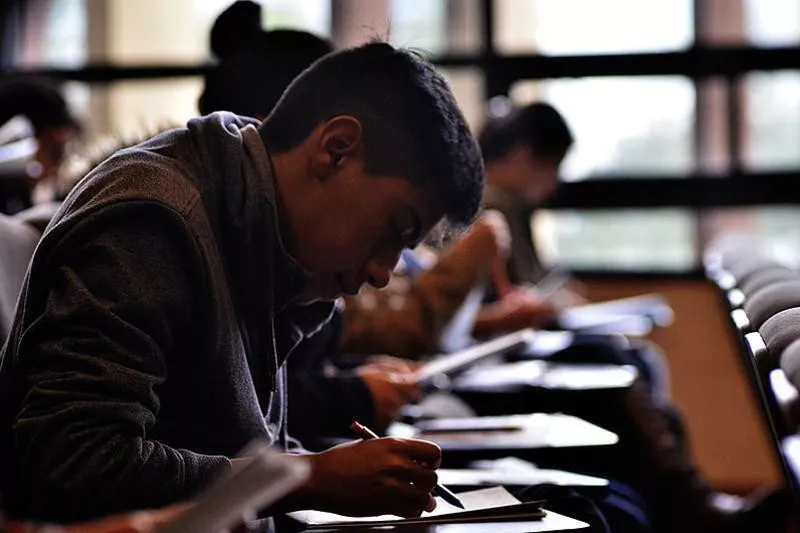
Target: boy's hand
[392, 386]
[523, 309]
[374, 477]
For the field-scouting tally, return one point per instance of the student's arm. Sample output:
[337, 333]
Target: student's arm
[413, 328]
[94, 358]
[517, 310]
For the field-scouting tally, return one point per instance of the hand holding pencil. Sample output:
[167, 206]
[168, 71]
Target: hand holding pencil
[372, 477]
[439, 490]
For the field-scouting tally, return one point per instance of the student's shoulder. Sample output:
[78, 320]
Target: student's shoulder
[133, 179]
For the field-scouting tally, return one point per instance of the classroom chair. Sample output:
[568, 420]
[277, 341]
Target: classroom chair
[771, 300]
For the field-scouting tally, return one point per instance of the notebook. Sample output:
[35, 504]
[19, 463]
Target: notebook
[636, 312]
[454, 362]
[494, 504]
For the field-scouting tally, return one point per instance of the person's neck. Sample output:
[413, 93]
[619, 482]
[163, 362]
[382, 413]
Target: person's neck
[286, 190]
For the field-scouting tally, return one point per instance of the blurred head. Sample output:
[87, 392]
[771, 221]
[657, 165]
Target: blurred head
[251, 81]
[370, 152]
[523, 151]
[41, 102]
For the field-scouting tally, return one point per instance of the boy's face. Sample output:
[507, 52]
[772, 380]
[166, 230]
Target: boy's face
[356, 227]
[52, 149]
[533, 178]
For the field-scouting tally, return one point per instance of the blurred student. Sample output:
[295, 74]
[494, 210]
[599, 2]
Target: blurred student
[523, 152]
[34, 108]
[176, 279]
[409, 317]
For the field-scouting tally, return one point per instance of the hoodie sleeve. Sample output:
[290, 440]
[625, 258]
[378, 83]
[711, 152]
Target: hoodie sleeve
[94, 357]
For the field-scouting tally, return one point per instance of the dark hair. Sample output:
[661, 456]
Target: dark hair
[412, 125]
[538, 126]
[251, 80]
[37, 99]
[235, 28]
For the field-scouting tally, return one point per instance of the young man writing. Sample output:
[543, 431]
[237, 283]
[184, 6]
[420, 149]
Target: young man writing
[175, 280]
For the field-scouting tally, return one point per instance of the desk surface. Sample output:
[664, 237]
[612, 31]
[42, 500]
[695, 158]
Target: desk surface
[538, 430]
[551, 522]
[521, 477]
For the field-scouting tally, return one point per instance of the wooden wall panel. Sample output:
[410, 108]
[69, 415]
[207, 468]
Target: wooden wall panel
[708, 384]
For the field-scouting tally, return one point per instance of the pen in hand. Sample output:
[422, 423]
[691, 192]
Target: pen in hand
[440, 490]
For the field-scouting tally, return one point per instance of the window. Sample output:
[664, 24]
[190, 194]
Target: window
[778, 225]
[467, 87]
[140, 108]
[310, 15]
[772, 120]
[435, 27]
[53, 35]
[772, 22]
[639, 125]
[177, 31]
[662, 239]
[566, 27]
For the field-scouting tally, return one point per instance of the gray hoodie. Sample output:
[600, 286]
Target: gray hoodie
[149, 342]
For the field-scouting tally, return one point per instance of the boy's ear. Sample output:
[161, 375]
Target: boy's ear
[338, 139]
[342, 137]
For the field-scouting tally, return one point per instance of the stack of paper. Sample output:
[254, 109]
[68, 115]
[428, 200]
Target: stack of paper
[485, 505]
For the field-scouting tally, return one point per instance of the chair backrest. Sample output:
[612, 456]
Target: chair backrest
[778, 332]
[17, 242]
[759, 375]
[771, 414]
[771, 300]
[790, 368]
[790, 363]
[749, 263]
[765, 277]
[790, 445]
